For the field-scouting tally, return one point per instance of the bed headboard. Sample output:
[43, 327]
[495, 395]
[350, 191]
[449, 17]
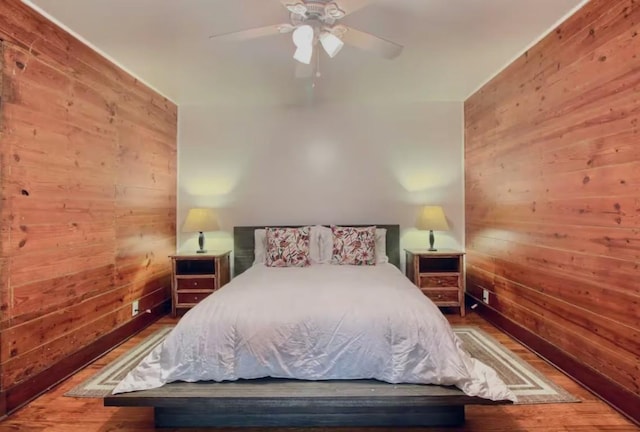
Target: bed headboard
[243, 245]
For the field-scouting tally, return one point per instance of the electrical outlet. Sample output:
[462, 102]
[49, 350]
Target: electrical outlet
[135, 307]
[485, 296]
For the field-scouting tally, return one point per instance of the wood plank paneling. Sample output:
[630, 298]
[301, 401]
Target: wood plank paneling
[45, 296]
[88, 200]
[552, 169]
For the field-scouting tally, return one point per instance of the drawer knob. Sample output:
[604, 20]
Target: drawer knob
[195, 298]
[195, 283]
[439, 296]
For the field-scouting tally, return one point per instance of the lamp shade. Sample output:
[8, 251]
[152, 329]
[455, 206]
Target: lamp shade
[432, 218]
[199, 220]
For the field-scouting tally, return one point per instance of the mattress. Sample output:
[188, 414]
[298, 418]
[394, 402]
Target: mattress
[316, 323]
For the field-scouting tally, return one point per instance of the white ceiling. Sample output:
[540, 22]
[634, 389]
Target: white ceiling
[451, 47]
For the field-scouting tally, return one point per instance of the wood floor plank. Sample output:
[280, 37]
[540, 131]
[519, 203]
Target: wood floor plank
[53, 412]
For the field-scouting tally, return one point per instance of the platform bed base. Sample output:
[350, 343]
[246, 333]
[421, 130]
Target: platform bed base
[338, 416]
[282, 403]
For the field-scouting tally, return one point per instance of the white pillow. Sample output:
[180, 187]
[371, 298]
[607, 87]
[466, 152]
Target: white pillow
[314, 244]
[260, 245]
[381, 246]
[326, 244]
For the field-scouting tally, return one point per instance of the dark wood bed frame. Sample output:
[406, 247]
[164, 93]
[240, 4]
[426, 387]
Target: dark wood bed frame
[295, 403]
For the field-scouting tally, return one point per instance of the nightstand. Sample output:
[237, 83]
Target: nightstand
[195, 276]
[439, 275]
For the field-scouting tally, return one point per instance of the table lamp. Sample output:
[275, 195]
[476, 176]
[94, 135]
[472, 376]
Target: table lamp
[200, 220]
[432, 218]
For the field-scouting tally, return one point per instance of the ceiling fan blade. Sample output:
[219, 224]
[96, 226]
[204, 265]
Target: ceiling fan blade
[371, 43]
[254, 33]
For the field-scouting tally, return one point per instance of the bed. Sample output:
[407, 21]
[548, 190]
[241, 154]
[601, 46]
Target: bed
[347, 346]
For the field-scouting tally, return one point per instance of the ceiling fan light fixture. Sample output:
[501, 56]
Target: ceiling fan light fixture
[303, 35]
[331, 43]
[314, 22]
[333, 11]
[297, 8]
[303, 40]
[303, 54]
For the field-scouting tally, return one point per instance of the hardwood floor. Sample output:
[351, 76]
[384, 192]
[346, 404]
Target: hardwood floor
[53, 412]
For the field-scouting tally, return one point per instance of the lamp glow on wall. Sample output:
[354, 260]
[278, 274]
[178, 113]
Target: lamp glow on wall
[200, 220]
[432, 218]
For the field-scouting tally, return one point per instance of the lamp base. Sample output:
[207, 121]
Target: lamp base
[201, 243]
[431, 241]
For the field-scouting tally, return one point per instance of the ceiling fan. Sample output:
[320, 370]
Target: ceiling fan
[316, 21]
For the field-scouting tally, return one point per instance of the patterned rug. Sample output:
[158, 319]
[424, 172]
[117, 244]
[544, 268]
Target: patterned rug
[528, 384]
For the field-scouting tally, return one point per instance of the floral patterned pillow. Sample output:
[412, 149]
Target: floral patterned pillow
[288, 247]
[354, 246]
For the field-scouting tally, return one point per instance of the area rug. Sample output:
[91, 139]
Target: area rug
[527, 383]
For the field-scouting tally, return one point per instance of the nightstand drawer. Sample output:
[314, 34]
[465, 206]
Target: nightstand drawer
[196, 283]
[442, 295]
[434, 281]
[191, 297]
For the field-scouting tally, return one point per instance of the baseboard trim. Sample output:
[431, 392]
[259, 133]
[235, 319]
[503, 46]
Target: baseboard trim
[24, 392]
[619, 398]
[3, 405]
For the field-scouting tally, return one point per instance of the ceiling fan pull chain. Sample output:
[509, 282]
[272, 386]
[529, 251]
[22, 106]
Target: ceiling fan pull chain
[318, 74]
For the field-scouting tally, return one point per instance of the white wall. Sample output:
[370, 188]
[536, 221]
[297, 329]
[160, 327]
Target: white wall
[322, 164]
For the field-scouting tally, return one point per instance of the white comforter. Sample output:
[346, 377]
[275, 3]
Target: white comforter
[316, 323]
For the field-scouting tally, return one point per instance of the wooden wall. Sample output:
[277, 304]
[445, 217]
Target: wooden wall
[88, 187]
[552, 165]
